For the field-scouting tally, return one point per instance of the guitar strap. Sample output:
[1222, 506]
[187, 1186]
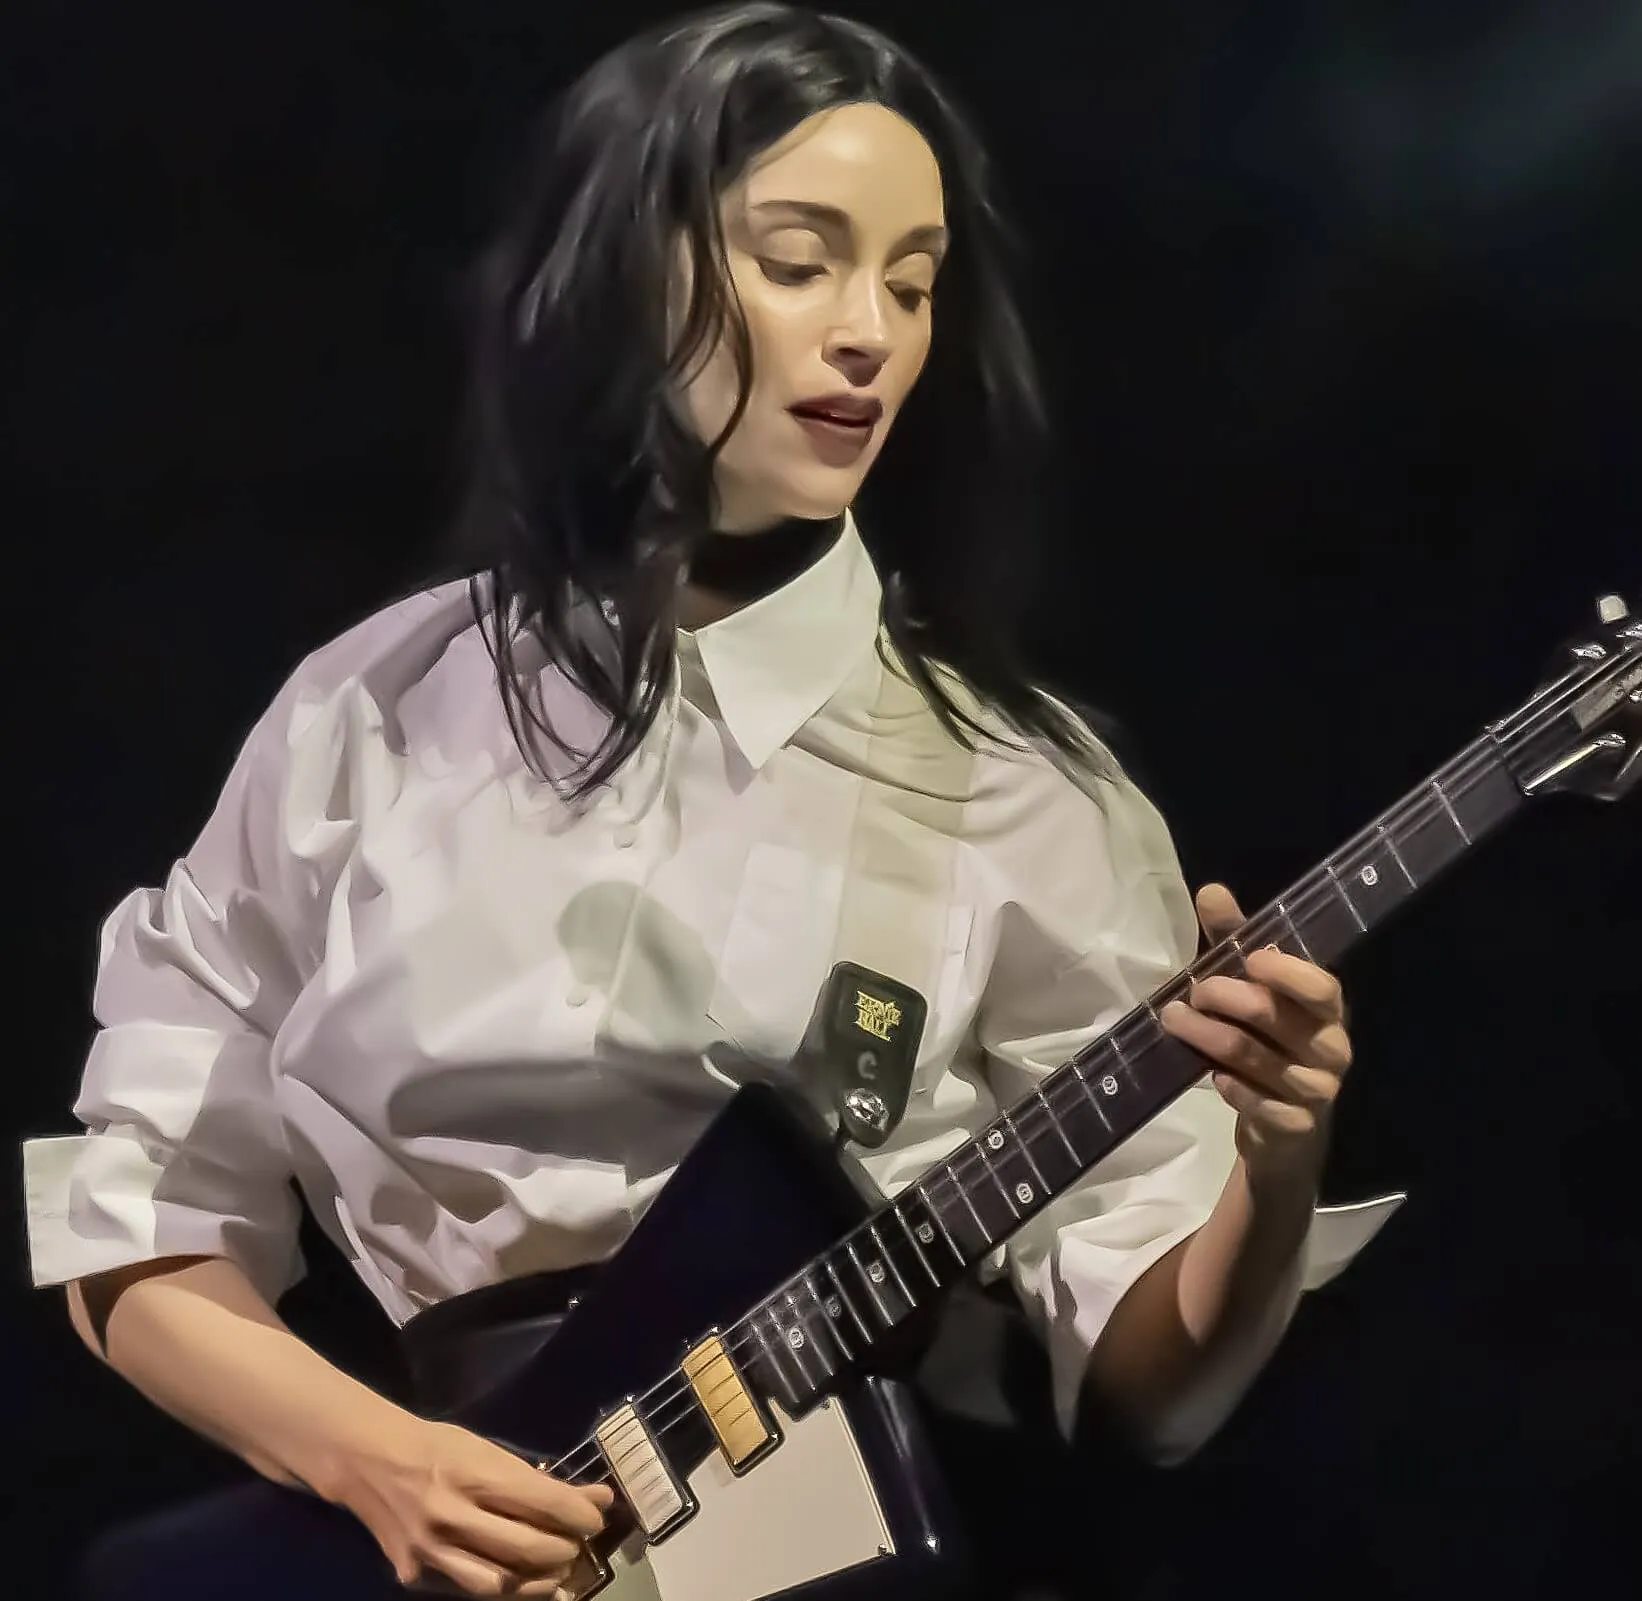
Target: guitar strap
[892, 924]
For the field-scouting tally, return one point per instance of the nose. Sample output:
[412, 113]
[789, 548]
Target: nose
[859, 343]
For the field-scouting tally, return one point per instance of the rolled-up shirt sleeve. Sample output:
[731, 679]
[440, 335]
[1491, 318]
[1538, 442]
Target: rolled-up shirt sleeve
[1113, 922]
[183, 1151]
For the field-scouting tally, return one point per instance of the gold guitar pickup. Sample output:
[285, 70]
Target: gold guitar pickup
[742, 1427]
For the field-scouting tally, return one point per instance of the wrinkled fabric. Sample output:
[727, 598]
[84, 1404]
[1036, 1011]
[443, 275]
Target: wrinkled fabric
[479, 1028]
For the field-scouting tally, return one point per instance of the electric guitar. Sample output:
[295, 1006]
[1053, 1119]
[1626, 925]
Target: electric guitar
[732, 1371]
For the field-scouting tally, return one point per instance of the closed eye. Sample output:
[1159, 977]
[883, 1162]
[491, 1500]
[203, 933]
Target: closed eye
[790, 272]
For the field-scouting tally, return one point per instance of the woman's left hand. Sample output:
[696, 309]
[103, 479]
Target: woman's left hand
[1278, 1044]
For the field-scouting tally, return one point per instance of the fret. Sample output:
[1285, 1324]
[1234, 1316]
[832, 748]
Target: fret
[875, 1276]
[960, 1222]
[1397, 857]
[1105, 1087]
[1126, 1054]
[844, 1300]
[1013, 1173]
[831, 1318]
[772, 1364]
[1321, 909]
[1447, 805]
[1449, 815]
[1179, 988]
[1017, 1164]
[1226, 959]
[1372, 880]
[982, 1188]
[1345, 895]
[1053, 1155]
[803, 1322]
[1430, 836]
[1078, 1110]
[887, 1257]
[918, 1237]
[1488, 797]
[1289, 937]
[792, 1340]
[1024, 1142]
[1124, 1078]
[990, 1142]
[928, 1221]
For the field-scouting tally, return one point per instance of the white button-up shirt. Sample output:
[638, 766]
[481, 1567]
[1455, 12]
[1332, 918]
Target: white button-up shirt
[479, 1029]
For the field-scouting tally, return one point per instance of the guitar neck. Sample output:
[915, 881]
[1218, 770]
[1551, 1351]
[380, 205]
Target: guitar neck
[844, 1308]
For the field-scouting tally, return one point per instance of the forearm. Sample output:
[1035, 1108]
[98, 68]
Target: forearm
[201, 1343]
[1188, 1339]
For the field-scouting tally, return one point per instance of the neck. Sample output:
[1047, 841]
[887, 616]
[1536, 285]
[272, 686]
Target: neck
[728, 571]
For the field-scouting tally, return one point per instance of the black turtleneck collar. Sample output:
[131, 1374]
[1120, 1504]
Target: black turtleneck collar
[746, 567]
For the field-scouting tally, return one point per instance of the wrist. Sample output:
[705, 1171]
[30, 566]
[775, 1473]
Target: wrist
[1280, 1200]
[1285, 1171]
[360, 1432]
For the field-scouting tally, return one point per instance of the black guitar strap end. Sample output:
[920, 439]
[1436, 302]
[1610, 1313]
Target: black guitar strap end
[869, 1028]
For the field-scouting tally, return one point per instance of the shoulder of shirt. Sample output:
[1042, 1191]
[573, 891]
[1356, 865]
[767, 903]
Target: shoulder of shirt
[423, 619]
[388, 655]
[1006, 758]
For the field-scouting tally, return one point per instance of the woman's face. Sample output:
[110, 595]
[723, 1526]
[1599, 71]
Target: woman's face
[833, 236]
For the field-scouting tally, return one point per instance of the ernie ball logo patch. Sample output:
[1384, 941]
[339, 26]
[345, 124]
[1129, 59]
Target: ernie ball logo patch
[876, 1017]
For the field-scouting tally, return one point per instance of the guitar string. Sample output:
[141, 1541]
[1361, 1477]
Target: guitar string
[1481, 759]
[1482, 754]
[1485, 753]
[968, 1161]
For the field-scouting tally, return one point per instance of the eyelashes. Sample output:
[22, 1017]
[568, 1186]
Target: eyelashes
[789, 273]
[793, 274]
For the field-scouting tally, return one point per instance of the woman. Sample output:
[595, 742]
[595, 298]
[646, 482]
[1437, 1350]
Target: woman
[505, 869]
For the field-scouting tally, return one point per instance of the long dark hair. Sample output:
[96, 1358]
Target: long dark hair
[586, 491]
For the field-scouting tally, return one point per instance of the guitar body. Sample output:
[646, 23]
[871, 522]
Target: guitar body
[850, 1498]
[731, 1371]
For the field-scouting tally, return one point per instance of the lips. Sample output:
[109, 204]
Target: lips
[843, 411]
[837, 427]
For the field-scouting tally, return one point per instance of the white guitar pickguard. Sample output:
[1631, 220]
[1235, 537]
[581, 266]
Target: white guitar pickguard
[807, 1510]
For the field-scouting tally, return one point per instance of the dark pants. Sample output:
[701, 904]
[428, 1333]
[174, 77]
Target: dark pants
[1023, 1498]
[239, 1544]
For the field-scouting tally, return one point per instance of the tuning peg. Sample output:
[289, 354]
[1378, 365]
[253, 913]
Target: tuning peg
[1612, 608]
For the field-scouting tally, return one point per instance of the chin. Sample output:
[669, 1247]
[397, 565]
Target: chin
[820, 495]
[809, 490]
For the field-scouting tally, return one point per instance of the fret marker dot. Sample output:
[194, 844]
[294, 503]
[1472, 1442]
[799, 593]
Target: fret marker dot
[835, 1307]
[925, 1233]
[1109, 1084]
[1023, 1194]
[994, 1140]
[875, 1272]
[795, 1338]
[1370, 876]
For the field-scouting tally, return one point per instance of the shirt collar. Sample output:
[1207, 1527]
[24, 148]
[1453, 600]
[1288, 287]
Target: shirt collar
[775, 663]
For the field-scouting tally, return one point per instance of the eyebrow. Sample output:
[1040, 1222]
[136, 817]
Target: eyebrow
[928, 236]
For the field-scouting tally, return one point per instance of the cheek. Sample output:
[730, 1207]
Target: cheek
[905, 369]
[709, 397]
[780, 334]
[773, 334]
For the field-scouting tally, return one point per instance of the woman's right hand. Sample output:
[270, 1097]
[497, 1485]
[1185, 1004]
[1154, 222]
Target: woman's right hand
[443, 1501]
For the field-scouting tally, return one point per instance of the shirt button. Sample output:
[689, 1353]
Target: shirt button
[577, 995]
[624, 836]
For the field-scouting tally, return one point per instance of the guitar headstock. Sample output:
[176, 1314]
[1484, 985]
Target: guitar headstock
[1582, 730]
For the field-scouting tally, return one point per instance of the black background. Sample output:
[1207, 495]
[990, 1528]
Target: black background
[1339, 304]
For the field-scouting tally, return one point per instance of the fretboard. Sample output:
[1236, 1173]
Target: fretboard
[837, 1313]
